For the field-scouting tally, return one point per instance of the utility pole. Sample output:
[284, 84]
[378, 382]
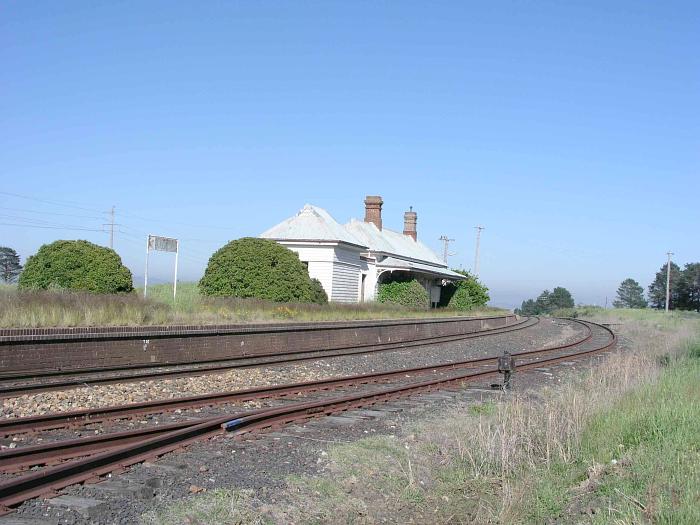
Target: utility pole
[111, 229]
[668, 279]
[476, 254]
[111, 225]
[445, 247]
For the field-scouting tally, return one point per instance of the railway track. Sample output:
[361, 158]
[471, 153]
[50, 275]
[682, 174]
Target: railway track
[96, 415]
[117, 451]
[20, 383]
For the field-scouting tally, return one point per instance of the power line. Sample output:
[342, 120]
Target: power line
[70, 204]
[31, 221]
[46, 201]
[24, 210]
[50, 227]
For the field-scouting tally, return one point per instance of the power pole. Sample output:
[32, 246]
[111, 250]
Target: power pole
[111, 229]
[445, 247]
[476, 254]
[668, 279]
[111, 225]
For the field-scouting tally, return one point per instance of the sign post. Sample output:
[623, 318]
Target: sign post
[161, 244]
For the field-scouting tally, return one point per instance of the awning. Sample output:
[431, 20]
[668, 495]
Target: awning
[393, 263]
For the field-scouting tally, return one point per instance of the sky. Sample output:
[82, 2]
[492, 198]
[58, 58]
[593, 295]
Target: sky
[569, 130]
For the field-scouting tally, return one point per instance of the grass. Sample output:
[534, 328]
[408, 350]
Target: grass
[220, 507]
[61, 308]
[616, 444]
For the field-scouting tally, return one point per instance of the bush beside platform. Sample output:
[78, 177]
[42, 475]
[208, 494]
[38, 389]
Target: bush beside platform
[60, 308]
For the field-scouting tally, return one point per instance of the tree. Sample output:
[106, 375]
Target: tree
[76, 265]
[657, 289]
[543, 303]
[630, 295]
[689, 288]
[318, 294]
[466, 294]
[10, 268]
[527, 308]
[547, 302]
[561, 298]
[260, 268]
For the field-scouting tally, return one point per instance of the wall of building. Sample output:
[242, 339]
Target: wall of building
[347, 275]
[320, 262]
[337, 266]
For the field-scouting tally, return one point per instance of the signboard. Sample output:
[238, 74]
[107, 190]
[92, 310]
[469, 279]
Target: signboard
[161, 244]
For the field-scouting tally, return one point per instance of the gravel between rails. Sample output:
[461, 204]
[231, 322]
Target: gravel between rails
[548, 332]
[263, 464]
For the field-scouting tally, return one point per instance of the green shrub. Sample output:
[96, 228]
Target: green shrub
[318, 294]
[76, 265]
[464, 295]
[564, 312]
[406, 293]
[461, 299]
[260, 268]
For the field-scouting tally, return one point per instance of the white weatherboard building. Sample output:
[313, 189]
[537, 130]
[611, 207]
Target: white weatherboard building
[351, 260]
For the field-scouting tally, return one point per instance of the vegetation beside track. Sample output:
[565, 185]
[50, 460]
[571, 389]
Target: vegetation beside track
[60, 308]
[616, 444]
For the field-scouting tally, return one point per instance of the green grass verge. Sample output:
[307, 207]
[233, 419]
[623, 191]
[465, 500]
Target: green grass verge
[639, 461]
[598, 448]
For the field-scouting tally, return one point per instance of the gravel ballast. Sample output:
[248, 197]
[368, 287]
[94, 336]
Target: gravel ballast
[547, 333]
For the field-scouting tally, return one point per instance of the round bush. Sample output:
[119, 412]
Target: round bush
[406, 293]
[318, 294]
[461, 299]
[260, 268]
[76, 265]
[464, 295]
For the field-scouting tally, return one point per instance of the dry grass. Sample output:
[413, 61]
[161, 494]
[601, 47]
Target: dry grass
[532, 457]
[61, 308]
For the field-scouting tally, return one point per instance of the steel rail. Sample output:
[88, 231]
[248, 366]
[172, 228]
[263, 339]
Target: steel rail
[96, 415]
[13, 460]
[15, 390]
[29, 374]
[50, 479]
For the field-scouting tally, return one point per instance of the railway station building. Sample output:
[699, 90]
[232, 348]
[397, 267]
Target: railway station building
[351, 260]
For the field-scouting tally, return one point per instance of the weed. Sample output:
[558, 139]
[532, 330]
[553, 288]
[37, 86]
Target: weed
[63, 308]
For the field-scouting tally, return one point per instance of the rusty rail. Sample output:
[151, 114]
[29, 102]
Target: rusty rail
[14, 390]
[117, 458]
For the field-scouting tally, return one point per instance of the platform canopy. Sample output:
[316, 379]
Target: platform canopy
[395, 264]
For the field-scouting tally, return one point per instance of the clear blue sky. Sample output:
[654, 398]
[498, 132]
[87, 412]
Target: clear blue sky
[570, 130]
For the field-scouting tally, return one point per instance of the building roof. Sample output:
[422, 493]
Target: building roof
[391, 242]
[394, 263]
[311, 224]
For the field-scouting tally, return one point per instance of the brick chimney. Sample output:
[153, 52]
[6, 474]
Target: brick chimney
[410, 218]
[373, 210]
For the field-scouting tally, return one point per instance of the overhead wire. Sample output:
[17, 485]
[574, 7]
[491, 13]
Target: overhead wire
[66, 204]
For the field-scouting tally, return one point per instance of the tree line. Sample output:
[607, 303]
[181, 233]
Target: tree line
[547, 302]
[685, 293]
[684, 290]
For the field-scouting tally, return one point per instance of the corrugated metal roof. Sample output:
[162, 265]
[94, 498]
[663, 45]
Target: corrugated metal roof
[316, 224]
[392, 242]
[311, 223]
[402, 264]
